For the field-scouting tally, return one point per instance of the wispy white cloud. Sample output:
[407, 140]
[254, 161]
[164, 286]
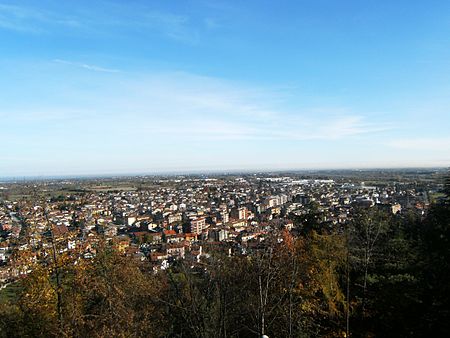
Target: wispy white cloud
[350, 125]
[174, 26]
[286, 130]
[20, 19]
[209, 108]
[87, 66]
[33, 20]
[29, 19]
[139, 112]
[189, 106]
[211, 23]
[420, 144]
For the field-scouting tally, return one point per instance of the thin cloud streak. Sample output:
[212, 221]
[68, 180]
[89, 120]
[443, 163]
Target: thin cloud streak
[220, 130]
[173, 26]
[429, 144]
[87, 66]
[33, 20]
[20, 19]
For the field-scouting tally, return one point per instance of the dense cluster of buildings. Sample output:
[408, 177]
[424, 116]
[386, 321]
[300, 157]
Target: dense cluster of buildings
[180, 218]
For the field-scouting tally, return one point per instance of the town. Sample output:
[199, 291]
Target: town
[164, 219]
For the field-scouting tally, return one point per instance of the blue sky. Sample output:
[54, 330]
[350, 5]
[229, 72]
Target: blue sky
[106, 87]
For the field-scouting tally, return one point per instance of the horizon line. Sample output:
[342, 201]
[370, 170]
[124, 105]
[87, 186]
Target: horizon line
[9, 178]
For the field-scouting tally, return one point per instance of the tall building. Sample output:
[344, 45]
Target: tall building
[225, 216]
[239, 213]
[198, 225]
[243, 213]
